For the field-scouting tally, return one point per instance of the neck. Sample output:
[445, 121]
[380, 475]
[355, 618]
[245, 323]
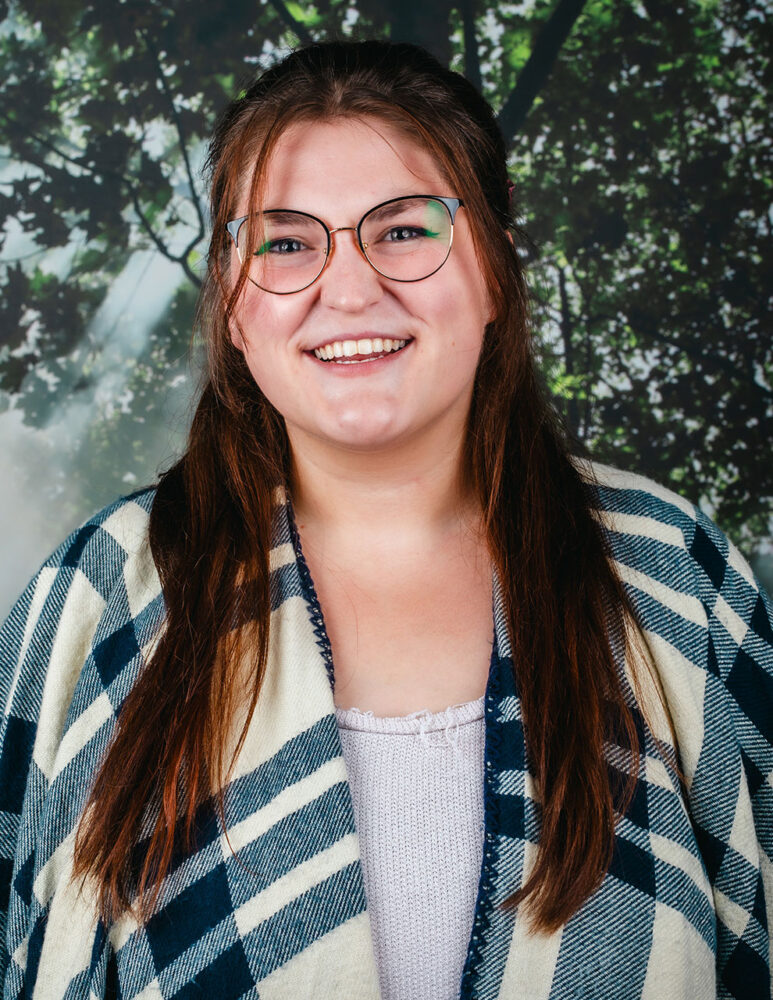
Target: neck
[402, 495]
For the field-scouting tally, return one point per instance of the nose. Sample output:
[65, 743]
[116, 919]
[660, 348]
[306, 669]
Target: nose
[348, 282]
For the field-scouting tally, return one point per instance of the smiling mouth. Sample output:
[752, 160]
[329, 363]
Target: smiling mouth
[347, 352]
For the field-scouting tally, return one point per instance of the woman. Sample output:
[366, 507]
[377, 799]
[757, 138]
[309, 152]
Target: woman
[405, 798]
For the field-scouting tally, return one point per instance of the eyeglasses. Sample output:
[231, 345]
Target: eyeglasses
[403, 239]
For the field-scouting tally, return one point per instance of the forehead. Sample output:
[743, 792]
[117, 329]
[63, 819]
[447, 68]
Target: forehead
[347, 166]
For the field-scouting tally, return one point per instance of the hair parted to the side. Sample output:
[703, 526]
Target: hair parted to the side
[211, 521]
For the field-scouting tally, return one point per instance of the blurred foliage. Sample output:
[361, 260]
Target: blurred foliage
[641, 148]
[645, 173]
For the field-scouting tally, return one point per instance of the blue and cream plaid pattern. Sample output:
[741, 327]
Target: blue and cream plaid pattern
[683, 912]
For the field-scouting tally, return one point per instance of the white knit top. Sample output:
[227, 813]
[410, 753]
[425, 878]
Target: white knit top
[417, 786]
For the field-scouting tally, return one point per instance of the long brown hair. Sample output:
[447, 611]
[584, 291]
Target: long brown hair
[210, 525]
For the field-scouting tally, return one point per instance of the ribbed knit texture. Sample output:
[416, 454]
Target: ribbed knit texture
[417, 787]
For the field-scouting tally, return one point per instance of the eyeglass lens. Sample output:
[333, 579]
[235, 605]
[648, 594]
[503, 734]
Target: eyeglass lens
[406, 240]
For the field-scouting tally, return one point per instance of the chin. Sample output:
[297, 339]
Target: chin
[365, 436]
[364, 441]
[366, 427]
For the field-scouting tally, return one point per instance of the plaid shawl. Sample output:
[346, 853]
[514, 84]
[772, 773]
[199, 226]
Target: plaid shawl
[683, 912]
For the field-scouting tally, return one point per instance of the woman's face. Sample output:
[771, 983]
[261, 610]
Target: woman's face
[337, 171]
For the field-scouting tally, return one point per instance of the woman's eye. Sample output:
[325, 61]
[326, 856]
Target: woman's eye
[287, 245]
[401, 234]
[398, 234]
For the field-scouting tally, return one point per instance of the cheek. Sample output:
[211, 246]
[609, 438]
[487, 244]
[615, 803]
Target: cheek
[273, 382]
[485, 302]
[239, 322]
[254, 321]
[272, 319]
[264, 330]
[467, 312]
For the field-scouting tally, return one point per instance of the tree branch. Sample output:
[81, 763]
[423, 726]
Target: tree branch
[566, 324]
[471, 60]
[287, 19]
[182, 260]
[179, 129]
[696, 354]
[47, 144]
[709, 358]
[158, 243]
[186, 266]
[535, 73]
[25, 256]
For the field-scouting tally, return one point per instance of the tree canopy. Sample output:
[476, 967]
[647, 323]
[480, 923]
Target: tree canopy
[641, 147]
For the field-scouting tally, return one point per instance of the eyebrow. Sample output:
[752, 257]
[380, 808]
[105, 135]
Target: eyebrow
[386, 211]
[284, 215]
[288, 215]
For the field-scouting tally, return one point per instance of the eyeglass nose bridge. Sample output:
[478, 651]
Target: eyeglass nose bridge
[361, 246]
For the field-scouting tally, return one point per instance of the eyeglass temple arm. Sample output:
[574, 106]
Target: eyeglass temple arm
[452, 204]
[233, 228]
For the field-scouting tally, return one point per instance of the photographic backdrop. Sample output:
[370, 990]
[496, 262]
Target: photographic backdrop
[640, 146]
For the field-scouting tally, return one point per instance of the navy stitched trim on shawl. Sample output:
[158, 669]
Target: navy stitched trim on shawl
[310, 595]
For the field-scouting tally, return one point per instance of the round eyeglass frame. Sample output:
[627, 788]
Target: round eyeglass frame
[452, 206]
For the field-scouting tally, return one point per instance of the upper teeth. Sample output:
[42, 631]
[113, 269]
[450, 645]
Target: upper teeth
[348, 348]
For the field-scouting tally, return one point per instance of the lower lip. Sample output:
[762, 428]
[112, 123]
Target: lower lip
[359, 367]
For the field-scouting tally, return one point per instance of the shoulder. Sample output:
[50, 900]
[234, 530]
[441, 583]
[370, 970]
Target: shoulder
[657, 532]
[105, 542]
[87, 597]
[697, 601]
[692, 593]
[622, 496]
[93, 558]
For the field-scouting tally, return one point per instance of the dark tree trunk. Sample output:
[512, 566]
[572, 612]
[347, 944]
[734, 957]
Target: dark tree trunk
[535, 73]
[471, 60]
[423, 23]
[572, 409]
